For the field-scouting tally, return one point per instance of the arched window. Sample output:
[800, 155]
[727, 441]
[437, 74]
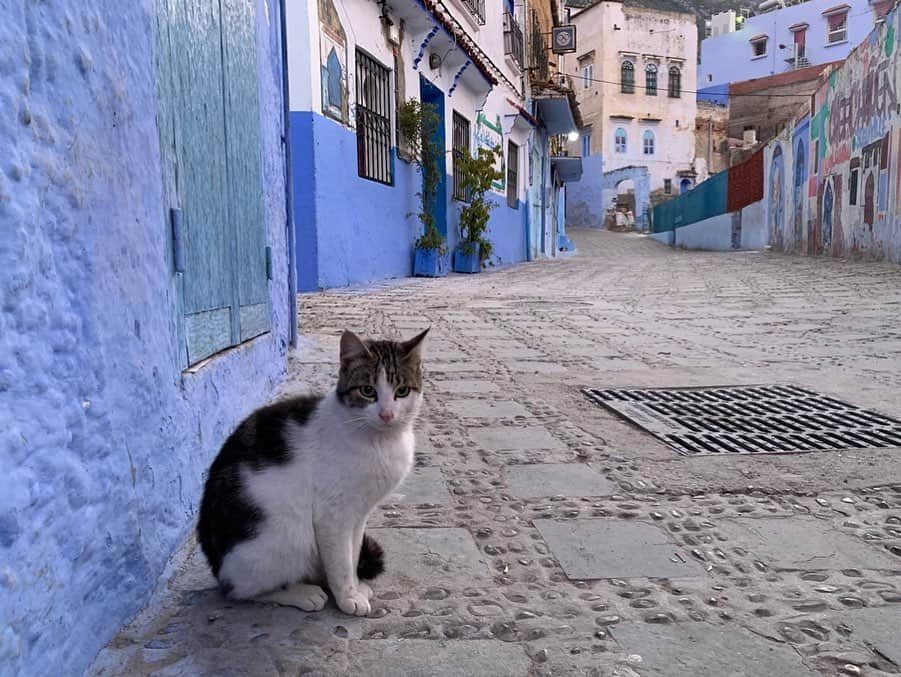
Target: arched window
[627, 77]
[675, 82]
[620, 140]
[650, 77]
[648, 142]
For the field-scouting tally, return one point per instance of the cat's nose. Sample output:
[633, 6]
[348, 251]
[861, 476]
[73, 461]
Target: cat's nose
[386, 416]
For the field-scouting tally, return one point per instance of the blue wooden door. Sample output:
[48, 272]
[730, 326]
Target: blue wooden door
[209, 120]
[429, 93]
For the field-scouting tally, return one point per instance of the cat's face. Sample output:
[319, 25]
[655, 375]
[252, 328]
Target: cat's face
[381, 381]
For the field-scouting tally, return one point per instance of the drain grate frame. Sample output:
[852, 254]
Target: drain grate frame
[749, 420]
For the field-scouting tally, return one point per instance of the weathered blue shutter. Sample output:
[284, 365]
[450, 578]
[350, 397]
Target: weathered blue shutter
[209, 91]
[243, 148]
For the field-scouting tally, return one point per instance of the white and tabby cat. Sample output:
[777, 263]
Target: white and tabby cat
[285, 505]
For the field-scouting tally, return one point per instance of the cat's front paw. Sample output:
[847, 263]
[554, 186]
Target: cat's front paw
[355, 603]
[365, 589]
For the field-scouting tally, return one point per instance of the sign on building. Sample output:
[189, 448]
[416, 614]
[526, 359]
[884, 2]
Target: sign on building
[490, 134]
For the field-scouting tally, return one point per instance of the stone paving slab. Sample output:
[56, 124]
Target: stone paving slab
[556, 479]
[476, 569]
[460, 387]
[422, 485]
[879, 628]
[802, 543]
[508, 438]
[535, 367]
[706, 650]
[435, 658]
[611, 548]
[487, 408]
[417, 557]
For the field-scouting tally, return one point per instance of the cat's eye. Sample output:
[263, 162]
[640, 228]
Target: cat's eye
[402, 391]
[368, 392]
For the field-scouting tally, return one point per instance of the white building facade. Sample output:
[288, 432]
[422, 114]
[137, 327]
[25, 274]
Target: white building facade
[635, 82]
[352, 64]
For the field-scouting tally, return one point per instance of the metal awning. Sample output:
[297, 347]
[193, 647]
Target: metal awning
[569, 169]
[556, 115]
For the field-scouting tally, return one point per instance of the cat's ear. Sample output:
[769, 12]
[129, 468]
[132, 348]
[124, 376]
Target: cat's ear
[413, 348]
[352, 346]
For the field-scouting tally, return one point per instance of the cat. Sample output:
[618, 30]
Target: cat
[286, 501]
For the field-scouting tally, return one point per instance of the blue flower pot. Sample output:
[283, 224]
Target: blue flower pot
[429, 263]
[467, 263]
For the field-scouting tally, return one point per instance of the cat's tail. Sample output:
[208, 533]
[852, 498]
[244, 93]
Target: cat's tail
[372, 559]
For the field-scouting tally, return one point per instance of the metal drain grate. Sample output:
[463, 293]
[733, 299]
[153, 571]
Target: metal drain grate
[766, 419]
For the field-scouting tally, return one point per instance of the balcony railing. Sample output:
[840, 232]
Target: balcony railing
[513, 41]
[477, 9]
[538, 59]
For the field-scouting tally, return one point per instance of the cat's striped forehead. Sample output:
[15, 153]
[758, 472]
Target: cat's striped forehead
[362, 364]
[399, 369]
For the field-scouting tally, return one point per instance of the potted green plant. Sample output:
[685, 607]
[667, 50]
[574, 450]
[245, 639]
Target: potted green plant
[477, 173]
[418, 124]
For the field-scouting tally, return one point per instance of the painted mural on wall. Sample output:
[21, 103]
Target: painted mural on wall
[798, 200]
[332, 62]
[777, 196]
[854, 181]
[489, 134]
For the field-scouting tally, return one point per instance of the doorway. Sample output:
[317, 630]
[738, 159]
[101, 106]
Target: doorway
[429, 93]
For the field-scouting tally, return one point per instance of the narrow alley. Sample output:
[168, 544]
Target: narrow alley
[542, 535]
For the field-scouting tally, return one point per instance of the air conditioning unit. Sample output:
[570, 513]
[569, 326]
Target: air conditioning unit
[563, 39]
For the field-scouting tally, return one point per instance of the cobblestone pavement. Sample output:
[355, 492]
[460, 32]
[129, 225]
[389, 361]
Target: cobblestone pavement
[540, 535]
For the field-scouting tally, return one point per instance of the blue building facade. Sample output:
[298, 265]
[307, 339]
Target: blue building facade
[123, 212]
[806, 34]
[352, 65]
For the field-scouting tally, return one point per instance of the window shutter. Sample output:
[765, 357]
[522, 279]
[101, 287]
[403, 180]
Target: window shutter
[210, 139]
[245, 183]
[199, 110]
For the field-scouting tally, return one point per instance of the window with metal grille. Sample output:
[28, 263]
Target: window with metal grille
[650, 78]
[513, 40]
[675, 82]
[667, 186]
[373, 119]
[461, 146]
[477, 9]
[512, 174]
[627, 77]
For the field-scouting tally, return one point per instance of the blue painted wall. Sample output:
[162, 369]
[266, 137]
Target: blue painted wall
[729, 57]
[507, 231]
[584, 208]
[103, 440]
[351, 230]
[585, 198]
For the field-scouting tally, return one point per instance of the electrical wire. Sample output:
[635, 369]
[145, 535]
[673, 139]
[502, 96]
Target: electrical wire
[686, 91]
